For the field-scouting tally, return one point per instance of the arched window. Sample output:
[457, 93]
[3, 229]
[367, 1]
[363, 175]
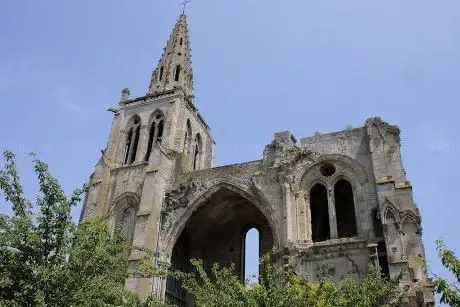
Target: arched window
[161, 73]
[319, 213]
[150, 142]
[125, 218]
[135, 144]
[250, 256]
[132, 140]
[127, 224]
[155, 132]
[197, 152]
[128, 142]
[177, 73]
[181, 41]
[345, 209]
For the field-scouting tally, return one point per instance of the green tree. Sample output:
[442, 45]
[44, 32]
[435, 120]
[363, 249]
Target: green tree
[278, 288]
[45, 259]
[450, 292]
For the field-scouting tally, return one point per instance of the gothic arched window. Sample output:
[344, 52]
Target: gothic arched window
[197, 152]
[319, 213]
[177, 73]
[155, 132]
[125, 218]
[128, 142]
[345, 209]
[132, 140]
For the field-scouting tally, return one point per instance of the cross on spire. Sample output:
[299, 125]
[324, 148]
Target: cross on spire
[184, 4]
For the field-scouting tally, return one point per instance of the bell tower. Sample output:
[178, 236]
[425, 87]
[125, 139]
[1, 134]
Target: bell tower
[153, 139]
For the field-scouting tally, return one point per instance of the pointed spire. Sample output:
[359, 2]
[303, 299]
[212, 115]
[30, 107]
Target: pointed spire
[175, 66]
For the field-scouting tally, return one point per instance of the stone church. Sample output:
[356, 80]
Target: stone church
[336, 202]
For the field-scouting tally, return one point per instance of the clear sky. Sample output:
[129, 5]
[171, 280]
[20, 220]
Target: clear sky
[259, 67]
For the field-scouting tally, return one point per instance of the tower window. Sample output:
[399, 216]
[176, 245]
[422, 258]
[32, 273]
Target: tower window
[181, 41]
[129, 139]
[135, 144]
[160, 132]
[319, 213]
[177, 73]
[345, 209]
[161, 73]
[155, 132]
[150, 143]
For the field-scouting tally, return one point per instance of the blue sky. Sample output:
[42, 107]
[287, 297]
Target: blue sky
[259, 67]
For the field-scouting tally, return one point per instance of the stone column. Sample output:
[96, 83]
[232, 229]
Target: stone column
[290, 213]
[120, 151]
[308, 219]
[302, 233]
[332, 214]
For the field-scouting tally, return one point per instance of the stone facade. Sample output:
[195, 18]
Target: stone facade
[334, 202]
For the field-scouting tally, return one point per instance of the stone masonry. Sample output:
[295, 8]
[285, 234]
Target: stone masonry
[332, 203]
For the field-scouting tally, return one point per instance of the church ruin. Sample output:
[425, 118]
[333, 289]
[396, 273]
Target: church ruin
[338, 201]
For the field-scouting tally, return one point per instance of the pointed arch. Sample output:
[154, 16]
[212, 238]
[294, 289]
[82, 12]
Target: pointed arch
[214, 230]
[170, 236]
[409, 217]
[352, 170]
[125, 208]
[390, 213]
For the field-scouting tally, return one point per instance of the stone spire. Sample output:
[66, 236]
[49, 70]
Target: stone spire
[174, 69]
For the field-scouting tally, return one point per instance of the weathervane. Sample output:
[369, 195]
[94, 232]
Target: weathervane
[184, 4]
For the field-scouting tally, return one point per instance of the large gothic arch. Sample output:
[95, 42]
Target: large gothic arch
[212, 227]
[169, 237]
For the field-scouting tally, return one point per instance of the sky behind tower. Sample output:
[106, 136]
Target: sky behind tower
[259, 67]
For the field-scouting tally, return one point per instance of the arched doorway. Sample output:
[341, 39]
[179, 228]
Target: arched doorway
[216, 233]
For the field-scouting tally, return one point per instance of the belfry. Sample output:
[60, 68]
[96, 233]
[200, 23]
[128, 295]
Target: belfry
[339, 200]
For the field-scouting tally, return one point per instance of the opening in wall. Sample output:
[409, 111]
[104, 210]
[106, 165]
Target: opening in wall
[319, 213]
[251, 243]
[383, 259]
[345, 209]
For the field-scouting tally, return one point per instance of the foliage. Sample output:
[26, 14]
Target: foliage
[45, 260]
[450, 292]
[277, 288]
